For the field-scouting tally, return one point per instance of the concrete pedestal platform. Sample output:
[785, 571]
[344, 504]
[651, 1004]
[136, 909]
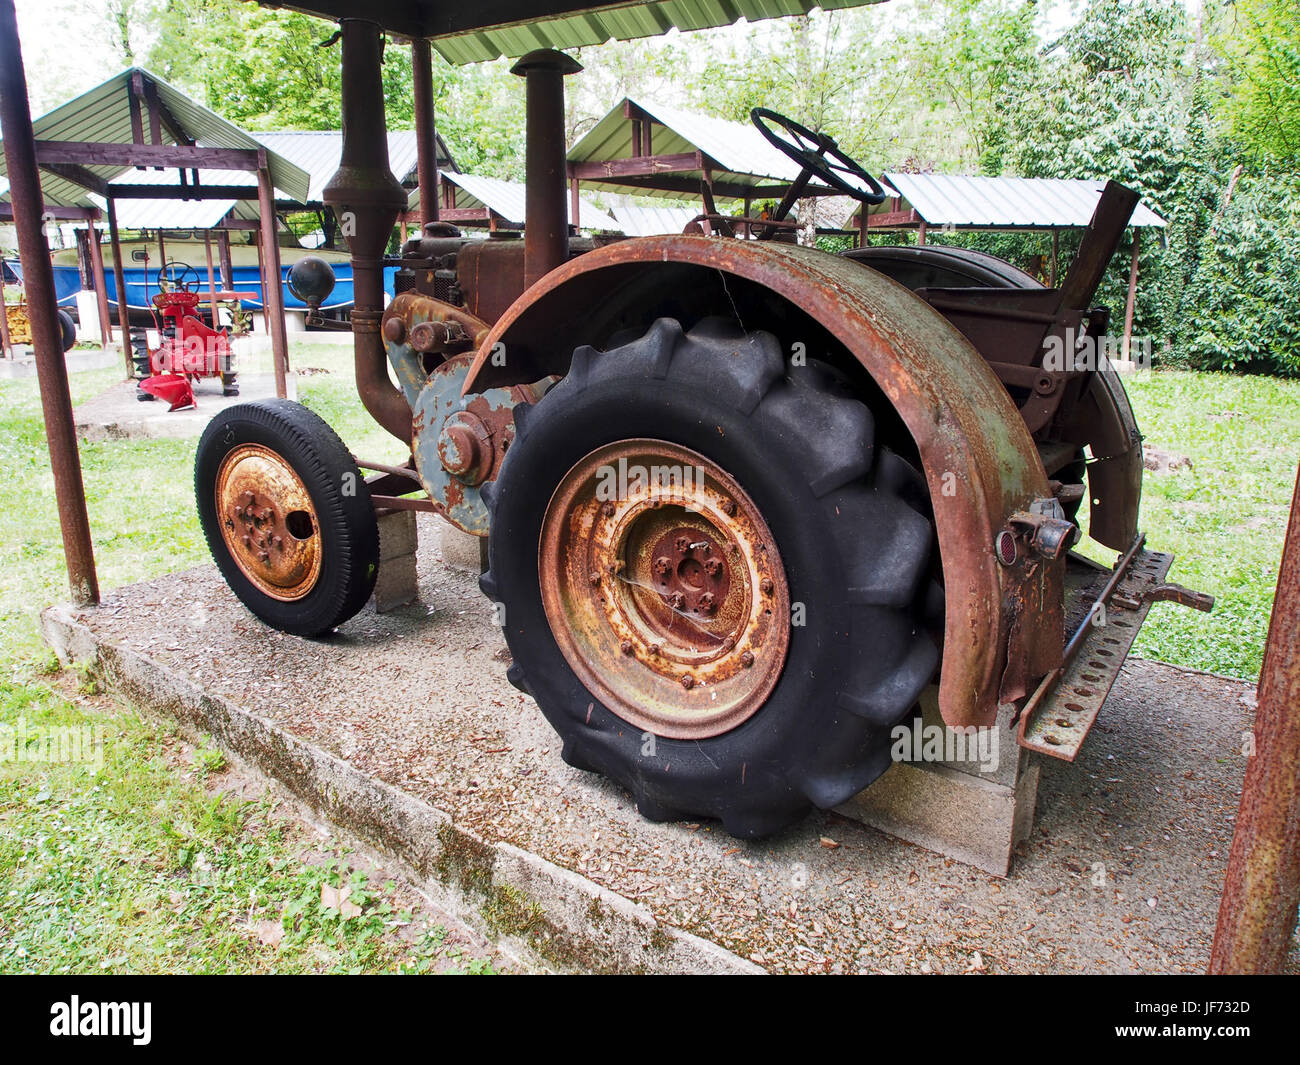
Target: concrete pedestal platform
[118, 415]
[402, 731]
[23, 364]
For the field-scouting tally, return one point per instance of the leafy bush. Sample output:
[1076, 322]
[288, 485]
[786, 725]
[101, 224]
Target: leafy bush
[1242, 307]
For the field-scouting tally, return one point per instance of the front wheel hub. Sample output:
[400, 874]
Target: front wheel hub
[268, 522]
[664, 588]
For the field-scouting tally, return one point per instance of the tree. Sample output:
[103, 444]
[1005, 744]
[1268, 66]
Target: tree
[1261, 48]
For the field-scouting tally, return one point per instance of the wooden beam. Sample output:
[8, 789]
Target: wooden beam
[134, 90]
[78, 175]
[55, 213]
[465, 214]
[272, 295]
[682, 162]
[164, 114]
[108, 153]
[101, 289]
[176, 192]
[893, 218]
[119, 281]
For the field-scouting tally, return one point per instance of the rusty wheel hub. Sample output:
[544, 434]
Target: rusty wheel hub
[664, 588]
[268, 522]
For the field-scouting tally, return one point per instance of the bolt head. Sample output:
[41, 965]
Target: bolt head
[594, 578]
[766, 586]
[713, 567]
[688, 682]
[728, 507]
[683, 544]
[747, 659]
[626, 647]
[608, 510]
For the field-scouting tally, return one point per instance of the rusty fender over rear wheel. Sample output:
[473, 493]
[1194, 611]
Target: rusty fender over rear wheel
[719, 620]
[1003, 625]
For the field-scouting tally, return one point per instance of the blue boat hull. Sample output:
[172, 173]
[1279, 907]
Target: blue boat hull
[142, 286]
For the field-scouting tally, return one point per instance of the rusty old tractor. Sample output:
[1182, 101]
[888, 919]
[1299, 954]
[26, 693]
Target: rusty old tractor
[743, 498]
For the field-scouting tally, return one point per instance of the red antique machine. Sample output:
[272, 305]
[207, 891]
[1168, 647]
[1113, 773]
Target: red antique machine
[190, 349]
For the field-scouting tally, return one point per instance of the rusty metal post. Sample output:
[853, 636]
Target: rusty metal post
[1131, 300]
[366, 200]
[42, 309]
[426, 129]
[119, 279]
[1260, 894]
[272, 295]
[6, 344]
[212, 278]
[546, 221]
[223, 258]
[101, 287]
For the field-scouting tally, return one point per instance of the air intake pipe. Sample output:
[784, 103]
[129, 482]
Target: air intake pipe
[546, 222]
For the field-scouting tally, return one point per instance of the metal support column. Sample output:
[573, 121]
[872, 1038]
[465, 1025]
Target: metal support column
[1257, 914]
[272, 295]
[426, 129]
[42, 309]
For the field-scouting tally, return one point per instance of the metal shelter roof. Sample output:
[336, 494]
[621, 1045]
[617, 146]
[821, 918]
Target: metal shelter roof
[639, 221]
[318, 152]
[472, 33]
[103, 115]
[506, 199]
[736, 152]
[1001, 202]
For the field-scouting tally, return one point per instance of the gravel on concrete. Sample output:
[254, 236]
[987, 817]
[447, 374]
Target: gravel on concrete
[1122, 872]
[116, 413]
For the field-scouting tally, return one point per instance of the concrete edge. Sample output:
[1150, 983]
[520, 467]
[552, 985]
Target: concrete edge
[549, 917]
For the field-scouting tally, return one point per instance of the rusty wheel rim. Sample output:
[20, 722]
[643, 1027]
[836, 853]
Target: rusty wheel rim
[268, 522]
[664, 588]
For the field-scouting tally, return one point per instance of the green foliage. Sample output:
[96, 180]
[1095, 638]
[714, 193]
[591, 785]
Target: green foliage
[1261, 48]
[1242, 307]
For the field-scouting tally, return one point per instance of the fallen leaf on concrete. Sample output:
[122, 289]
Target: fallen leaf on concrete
[829, 844]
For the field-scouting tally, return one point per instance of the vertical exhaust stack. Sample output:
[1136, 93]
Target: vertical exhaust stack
[366, 200]
[546, 223]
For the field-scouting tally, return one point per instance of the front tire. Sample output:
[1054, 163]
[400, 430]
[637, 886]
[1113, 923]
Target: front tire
[287, 515]
[819, 609]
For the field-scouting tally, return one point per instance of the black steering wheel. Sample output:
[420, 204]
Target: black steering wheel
[175, 274]
[819, 155]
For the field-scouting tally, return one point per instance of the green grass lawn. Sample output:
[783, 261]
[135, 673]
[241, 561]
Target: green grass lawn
[144, 863]
[1225, 518]
[135, 865]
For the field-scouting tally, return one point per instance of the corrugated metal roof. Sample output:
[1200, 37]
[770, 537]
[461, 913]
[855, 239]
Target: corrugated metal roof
[638, 221]
[171, 214]
[103, 115]
[506, 198]
[318, 152]
[1004, 202]
[596, 25]
[742, 154]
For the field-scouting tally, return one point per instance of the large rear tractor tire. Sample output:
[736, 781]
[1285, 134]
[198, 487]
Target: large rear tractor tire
[287, 515]
[712, 578]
